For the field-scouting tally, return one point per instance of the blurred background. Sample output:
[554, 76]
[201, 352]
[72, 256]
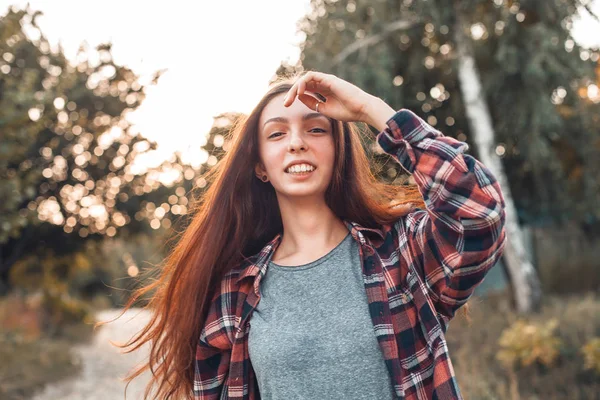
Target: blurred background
[111, 113]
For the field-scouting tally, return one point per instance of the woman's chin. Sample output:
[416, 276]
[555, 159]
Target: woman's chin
[302, 191]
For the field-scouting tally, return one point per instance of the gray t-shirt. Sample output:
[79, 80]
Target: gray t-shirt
[311, 335]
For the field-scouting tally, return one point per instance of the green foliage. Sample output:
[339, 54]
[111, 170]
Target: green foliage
[51, 277]
[69, 181]
[32, 273]
[58, 124]
[591, 353]
[67, 151]
[403, 51]
[62, 309]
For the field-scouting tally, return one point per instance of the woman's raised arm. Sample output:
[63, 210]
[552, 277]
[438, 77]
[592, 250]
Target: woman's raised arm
[460, 234]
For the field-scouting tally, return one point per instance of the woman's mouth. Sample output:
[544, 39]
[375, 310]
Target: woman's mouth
[300, 171]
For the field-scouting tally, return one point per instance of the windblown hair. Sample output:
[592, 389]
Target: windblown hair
[237, 216]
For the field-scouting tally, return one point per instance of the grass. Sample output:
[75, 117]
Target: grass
[481, 376]
[27, 367]
[32, 358]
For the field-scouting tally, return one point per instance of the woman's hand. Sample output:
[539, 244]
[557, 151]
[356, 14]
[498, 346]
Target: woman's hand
[342, 100]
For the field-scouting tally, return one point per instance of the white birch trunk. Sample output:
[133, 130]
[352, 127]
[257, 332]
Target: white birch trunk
[524, 280]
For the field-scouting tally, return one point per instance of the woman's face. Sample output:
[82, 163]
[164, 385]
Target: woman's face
[295, 135]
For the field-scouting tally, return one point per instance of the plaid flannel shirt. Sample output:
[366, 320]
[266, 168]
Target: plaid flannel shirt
[417, 272]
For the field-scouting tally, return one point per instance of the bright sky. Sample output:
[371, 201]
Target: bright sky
[220, 54]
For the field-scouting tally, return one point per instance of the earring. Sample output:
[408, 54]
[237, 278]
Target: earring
[264, 178]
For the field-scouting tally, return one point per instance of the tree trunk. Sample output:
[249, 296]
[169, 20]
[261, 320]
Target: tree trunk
[523, 276]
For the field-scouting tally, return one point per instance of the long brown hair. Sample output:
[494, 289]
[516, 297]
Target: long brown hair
[237, 215]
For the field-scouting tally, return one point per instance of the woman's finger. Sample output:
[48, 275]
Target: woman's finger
[287, 100]
[303, 81]
[291, 94]
[321, 97]
[310, 102]
[296, 90]
[310, 80]
[316, 95]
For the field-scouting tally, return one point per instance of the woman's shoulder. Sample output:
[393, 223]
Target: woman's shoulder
[231, 280]
[224, 308]
[386, 236]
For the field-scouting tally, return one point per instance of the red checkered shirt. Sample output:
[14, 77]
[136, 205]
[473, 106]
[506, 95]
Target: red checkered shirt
[417, 272]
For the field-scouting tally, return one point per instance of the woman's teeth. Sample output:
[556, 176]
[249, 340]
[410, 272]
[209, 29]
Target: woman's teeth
[298, 168]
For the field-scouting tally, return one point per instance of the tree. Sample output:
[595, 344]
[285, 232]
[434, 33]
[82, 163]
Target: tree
[66, 154]
[523, 276]
[406, 52]
[78, 214]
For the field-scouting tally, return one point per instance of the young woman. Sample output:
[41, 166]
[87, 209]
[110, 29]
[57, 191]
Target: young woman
[303, 277]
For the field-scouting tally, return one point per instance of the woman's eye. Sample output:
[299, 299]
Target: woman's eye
[315, 130]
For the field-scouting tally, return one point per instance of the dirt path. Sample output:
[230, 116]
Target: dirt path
[103, 363]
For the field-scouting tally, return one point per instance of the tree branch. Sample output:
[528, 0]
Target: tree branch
[388, 29]
[591, 12]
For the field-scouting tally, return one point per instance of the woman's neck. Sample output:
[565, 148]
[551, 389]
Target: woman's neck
[310, 230]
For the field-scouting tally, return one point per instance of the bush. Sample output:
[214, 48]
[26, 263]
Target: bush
[524, 344]
[591, 353]
[475, 349]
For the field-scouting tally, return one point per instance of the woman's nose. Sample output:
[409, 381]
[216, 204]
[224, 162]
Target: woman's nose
[296, 144]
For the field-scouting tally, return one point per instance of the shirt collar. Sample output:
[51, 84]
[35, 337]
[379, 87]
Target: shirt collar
[261, 259]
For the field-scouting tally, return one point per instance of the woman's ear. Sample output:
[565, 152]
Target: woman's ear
[259, 170]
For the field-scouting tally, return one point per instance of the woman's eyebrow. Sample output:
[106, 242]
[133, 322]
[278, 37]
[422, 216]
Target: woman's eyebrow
[305, 117]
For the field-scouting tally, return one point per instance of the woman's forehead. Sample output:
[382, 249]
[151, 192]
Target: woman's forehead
[276, 111]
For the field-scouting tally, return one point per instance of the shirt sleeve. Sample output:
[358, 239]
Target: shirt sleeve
[460, 234]
[213, 351]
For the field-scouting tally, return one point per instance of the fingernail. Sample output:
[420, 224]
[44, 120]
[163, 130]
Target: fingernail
[321, 97]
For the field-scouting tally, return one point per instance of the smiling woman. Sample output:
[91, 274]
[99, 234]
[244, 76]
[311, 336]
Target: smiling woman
[298, 138]
[293, 209]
